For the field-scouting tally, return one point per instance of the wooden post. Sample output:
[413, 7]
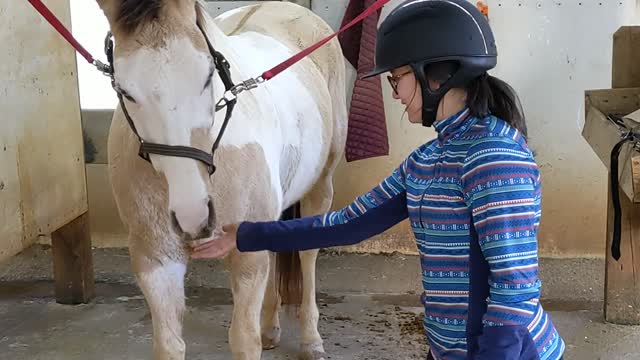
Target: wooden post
[72, 262]
[622, 278]
[622, 282]
[625, 71]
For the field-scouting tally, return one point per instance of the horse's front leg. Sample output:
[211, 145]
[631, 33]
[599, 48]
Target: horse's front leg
[162, 282]
[270, 310]
[317, 201]
[310, 340]
[249, 274]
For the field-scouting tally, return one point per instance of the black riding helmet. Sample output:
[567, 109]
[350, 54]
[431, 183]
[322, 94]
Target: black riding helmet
[449, 41]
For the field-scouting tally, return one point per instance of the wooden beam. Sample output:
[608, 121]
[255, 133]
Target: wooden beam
[72, 262]
[602, 135]
[622, 101]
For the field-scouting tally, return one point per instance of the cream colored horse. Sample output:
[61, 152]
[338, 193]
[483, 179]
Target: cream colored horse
[281, 146]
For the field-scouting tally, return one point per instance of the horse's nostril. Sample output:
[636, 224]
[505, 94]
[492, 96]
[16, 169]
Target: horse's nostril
[212, 214]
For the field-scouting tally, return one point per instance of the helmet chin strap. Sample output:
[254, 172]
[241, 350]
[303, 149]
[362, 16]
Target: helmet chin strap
[448, 78]
[430, 109]
[431, 98]
[431, 101]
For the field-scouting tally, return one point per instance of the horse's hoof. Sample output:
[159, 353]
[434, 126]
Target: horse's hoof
[312, 352]
[271, 338]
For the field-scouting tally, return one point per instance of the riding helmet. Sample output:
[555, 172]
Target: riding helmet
[449, 41]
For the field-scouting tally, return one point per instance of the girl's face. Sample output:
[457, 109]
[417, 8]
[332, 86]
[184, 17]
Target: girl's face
[406, 88]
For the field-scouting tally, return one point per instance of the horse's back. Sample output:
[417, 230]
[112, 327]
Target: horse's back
[293, 25]
[321, 75]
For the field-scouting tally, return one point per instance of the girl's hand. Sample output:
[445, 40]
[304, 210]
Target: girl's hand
[219, 247]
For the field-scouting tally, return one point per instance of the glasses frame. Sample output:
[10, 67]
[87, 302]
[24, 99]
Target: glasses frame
[395, 79]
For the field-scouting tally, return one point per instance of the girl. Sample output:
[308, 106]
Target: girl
[472, 195]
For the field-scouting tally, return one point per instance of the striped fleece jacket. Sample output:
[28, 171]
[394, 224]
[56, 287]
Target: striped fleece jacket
[472, 196]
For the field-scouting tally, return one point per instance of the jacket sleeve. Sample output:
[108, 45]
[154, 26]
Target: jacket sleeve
[369, 215]
[502, 188]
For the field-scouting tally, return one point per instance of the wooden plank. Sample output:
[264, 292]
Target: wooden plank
[602, 135]
[626, 57]
[622, 277]
[10, 204]
[72, 262]
[599, 133]
[622, 101]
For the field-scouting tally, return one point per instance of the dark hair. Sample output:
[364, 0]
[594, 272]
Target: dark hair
[488, 95]
[134, 13]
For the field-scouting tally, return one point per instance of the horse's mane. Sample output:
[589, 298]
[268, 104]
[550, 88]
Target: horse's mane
[134, 13]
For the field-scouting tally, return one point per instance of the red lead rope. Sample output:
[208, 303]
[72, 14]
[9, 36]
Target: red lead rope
[47, 14]
[267, 75]
[249, 84]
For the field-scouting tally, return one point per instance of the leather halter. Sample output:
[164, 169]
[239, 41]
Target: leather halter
[224, 71]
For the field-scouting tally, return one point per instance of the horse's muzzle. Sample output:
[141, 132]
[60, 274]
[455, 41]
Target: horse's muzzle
[206, 230]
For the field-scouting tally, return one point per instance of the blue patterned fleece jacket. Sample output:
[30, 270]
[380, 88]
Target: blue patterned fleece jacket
[472, 196]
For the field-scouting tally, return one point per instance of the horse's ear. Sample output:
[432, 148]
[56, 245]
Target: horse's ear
[200, 13]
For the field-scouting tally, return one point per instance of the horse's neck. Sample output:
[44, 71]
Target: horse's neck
[221, 43]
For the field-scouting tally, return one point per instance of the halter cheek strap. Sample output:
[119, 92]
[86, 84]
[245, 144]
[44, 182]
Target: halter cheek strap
[146, 148]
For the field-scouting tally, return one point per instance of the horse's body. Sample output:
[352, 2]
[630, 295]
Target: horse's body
[281, 146]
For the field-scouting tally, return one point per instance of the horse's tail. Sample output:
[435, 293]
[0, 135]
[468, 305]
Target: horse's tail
[289, 269]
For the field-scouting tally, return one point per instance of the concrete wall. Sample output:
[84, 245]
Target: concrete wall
[42, 181]
[550, 61]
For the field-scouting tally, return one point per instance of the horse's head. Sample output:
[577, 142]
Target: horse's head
[164, 71]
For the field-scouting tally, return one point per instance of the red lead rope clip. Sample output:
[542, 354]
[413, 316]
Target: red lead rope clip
[232, 94]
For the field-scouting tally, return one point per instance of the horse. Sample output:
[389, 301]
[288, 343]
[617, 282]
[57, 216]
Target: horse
[280, 148]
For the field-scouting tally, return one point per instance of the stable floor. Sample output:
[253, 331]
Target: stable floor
[368, 304]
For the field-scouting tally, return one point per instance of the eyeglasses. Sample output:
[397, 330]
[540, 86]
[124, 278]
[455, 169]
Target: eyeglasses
[394, 79]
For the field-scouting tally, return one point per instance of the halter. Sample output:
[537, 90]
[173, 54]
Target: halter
[223, 69]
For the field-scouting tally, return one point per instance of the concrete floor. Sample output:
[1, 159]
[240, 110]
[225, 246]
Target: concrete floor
[373, 315]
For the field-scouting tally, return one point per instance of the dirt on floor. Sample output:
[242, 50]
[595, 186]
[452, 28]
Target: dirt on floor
[369, 309]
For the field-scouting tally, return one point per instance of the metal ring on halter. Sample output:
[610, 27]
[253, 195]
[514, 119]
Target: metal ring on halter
[227, 98]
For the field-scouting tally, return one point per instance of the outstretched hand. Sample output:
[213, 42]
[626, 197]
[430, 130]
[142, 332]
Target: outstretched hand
[219, 247]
